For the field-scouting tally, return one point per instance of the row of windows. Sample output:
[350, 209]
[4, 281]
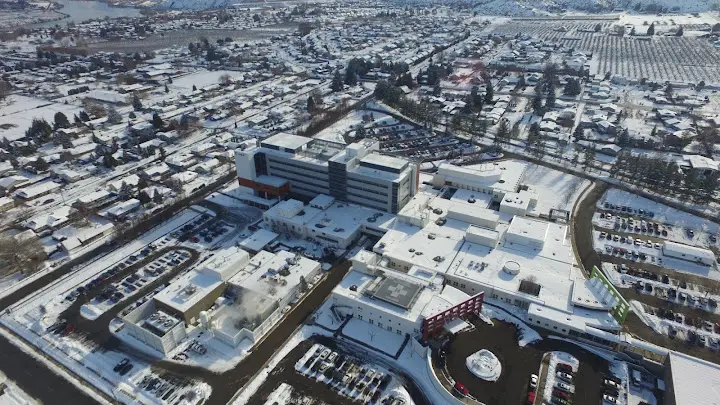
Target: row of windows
[354, 199]
[294, 179]
[372, 183]
[354, 187]
[304, 175]
[365, 197]
[311, 169]
[380, 325]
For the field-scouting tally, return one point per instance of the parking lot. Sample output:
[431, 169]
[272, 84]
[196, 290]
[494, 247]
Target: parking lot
[518, 364]
[316, 385]
[346, 375]
[131, 285]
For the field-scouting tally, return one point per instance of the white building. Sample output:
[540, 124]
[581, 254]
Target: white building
[520, 261]
[261, 290]
[689, 253]
[495, 179]
[333, 223]
[391, 300]
[354, 173]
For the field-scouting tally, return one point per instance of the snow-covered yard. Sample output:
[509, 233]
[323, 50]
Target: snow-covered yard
[555, 189]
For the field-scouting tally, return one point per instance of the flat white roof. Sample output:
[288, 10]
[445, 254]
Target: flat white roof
[261, 275]
[385, 161]
[258, 240]
[189, 289]
[529, 228]
[286, 141]
[592, 294]
[675, 249]
[359, 281]
[695, 381]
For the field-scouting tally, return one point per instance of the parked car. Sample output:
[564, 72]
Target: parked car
[609, 399]
[564, 376]
[533, 381]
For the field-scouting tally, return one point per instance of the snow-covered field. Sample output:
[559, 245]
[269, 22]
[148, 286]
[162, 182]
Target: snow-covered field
[19, 111]
[555, 189]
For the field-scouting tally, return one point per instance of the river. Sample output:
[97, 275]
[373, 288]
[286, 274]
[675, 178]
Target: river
[79, 11]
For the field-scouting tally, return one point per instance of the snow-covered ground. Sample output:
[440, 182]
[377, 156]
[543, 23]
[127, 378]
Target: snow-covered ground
[555, 189]
[14, 395]
[347, 125]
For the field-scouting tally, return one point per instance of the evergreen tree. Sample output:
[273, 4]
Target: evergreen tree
[537, 104]
[144, 197]
[572, 87]
[589, 156]
[84, 117]
[303, 284]
[337, 82]
[113, 116]
[39, 129]
[550, 100]
[41, 165]
[651, 30]
[142, 183]
[579, 133]
[158, 198]
[163, 154]
[136, 103]
[311, 104]
[109, 160]
[194, 88]
[167, 90]
[157, 121]
[489, 93]
[61, 120]
[502, 132]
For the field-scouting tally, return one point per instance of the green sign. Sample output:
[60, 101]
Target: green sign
[619, 311]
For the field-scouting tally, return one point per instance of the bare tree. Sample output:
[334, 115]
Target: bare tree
[93, 108]
[20, 254]
[4, 89]
[225, 79]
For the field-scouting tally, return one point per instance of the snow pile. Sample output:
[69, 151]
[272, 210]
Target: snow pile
[555, 358]
[527, 334]
[484, 364]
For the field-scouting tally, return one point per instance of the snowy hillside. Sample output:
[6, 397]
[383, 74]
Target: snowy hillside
[530, 7]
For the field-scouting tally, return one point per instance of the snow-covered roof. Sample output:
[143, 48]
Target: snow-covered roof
[258, 240]
[694, 381]
[687, 252]
[37, 189]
